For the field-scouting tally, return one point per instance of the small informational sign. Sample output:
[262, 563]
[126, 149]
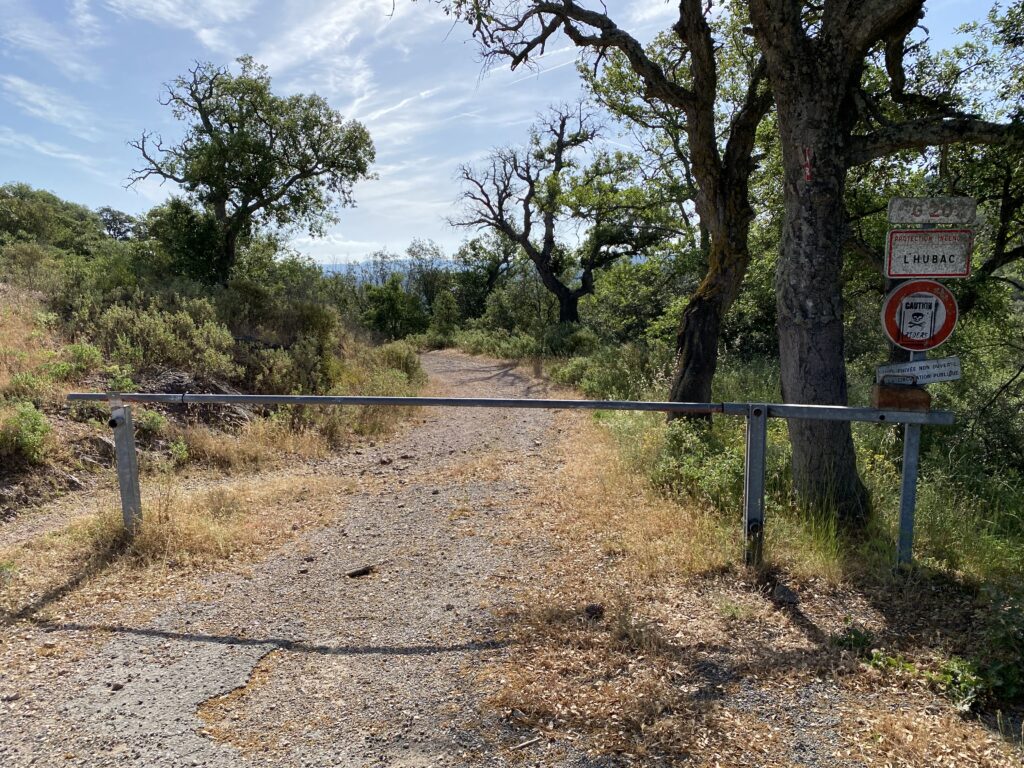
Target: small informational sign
[928, 253]
[932, 210]
[919, 315]
[920, 371]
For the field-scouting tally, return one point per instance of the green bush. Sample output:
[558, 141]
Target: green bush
[84, 358]
[25, 386]
[499, 343]
[59, 371]
[153, 338]
[23, 434]
[118, 378]
[401, 356]
[150, 423]
[626, 372]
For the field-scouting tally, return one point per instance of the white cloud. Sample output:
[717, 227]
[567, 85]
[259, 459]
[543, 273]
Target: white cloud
[87, 25]
[207, 19]
[14, 140]
[332, 28]
[24, 29]
[50, 105]
[335, 76]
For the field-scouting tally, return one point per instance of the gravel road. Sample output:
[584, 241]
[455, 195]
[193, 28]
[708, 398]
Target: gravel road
[288, 662]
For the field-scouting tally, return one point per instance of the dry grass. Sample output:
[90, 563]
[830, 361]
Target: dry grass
[24, 346]
[644, 638]
[654, 536]
[261, 443]
[27, 345]
[180, 532]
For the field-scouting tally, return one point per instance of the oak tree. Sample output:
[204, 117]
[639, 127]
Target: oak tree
[253, 159]
[535, 195]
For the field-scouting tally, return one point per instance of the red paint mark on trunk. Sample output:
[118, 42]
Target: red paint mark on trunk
[806, 165]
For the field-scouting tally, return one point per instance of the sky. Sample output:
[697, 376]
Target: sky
[79, 78]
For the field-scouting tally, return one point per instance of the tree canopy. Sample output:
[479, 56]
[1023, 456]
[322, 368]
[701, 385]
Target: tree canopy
[253, 159]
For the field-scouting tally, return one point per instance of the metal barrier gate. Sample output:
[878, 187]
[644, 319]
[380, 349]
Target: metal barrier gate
[756, 414]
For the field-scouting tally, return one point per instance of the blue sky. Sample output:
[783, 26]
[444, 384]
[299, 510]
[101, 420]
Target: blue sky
[78, 78]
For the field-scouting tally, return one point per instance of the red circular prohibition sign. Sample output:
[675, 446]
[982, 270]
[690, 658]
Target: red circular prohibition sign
[919, 315]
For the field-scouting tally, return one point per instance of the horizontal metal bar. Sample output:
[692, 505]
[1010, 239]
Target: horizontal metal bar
[457, 402]
[852, 413]
[822, 412]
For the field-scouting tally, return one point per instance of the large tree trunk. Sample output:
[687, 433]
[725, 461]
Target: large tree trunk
[229, 255]
[701, 326]
[568, 307]
[809, 293]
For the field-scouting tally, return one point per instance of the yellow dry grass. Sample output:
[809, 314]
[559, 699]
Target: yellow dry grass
[602, 500]
[180, 532]
[24, 344]
[642, 629]
[260, 443]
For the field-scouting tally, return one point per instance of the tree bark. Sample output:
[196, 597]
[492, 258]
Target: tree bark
[568, 308]
[229, 256]
[701, 325]
[809, 287]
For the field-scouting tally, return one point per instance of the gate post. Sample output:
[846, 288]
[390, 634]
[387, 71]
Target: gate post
[127, 464]
[753, 483]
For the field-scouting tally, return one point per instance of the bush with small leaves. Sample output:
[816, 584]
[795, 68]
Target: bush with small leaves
[23, 434]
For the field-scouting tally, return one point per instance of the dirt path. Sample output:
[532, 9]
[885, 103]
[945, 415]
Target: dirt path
[288, 662]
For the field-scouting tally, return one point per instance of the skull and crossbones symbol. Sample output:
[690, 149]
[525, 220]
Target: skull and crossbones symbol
[916, 320]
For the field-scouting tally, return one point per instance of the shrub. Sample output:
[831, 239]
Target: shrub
[23, 434]
[119, 378]
[498, 343]
[401, 356]
[25, 386]
[150, 423]
[153, 338]
[84, 358]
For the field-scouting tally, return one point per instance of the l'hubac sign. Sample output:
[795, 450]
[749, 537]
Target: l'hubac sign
[929, 253]
[919, 315]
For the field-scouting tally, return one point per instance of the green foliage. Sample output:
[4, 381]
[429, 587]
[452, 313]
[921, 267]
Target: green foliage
[498, 343]
[191, 238]
[251, 159]
[393, 311]
[147, 339]
[855, 639]
[150, 424]
[401, 357]
[1002, 660]
[25, 386]
[178, 451]
[29, 264]
[84, 358]
[119, 378]
[41, 218]
[960, 681]
[629, 371]
[23, 434]
[444, 319]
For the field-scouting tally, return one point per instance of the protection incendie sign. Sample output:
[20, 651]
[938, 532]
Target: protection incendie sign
[919, 315]
[929, 253]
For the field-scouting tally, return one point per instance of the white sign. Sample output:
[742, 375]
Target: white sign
[928, 253]
[932, 210]
[920, 371]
